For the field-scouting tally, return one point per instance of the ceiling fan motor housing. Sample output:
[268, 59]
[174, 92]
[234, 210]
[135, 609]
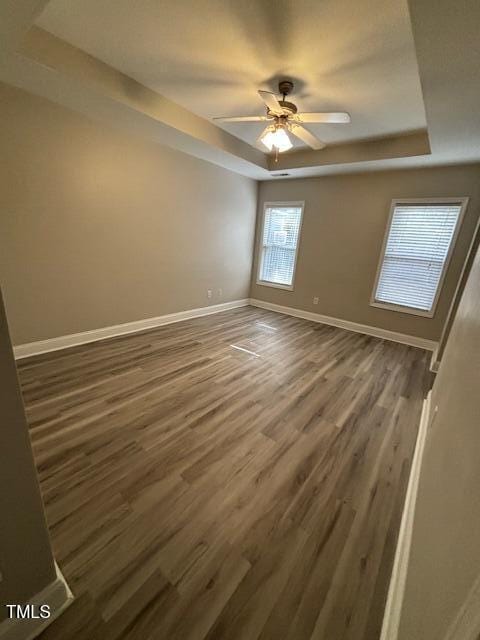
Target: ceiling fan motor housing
[288, 110]
[288, 107]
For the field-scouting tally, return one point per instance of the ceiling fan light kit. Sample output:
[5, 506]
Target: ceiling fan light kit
[283, 118]
[276, 138]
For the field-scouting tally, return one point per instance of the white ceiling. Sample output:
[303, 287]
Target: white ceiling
[211, 56]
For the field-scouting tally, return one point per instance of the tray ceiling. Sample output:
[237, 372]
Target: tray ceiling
[211, 56]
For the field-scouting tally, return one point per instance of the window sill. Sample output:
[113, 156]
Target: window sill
[274, 285]
[400, 309]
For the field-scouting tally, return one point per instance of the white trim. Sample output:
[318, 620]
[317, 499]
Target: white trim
[456, 298]
[435, 362]
[377, 332]
[463, 201]
[393, 608]
[74, 339]
[260, 250]
[275, 285]
[56, 595]
[400, 308]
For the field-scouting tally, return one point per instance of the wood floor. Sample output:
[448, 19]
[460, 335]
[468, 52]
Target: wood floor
[237, 476]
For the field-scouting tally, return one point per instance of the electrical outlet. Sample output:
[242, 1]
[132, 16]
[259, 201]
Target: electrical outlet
[209, 294]
[315, 300]
[220, 292]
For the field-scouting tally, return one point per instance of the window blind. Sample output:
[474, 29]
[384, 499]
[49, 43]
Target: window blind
[281, 228]
[415, 254]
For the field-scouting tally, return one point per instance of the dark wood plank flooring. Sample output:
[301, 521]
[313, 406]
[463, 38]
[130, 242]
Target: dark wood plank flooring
[236, 476]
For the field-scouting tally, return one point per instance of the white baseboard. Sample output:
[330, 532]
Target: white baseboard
[393, 608]
[56, 595]
[385, 334]
[74, 339]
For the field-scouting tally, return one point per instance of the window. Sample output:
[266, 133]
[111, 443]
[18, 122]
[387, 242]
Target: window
[280, 235]
[415, 255]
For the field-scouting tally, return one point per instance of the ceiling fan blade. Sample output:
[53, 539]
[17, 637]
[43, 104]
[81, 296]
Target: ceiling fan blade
[305, 136]
[332, 118]
[270, 99]
[242, 119]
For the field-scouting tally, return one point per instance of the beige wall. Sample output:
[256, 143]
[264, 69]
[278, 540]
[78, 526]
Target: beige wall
[344, 224]
[445, 554]
[26, 560]
[99, 227]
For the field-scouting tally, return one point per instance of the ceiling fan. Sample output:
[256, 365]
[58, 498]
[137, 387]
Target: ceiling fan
[283, 118]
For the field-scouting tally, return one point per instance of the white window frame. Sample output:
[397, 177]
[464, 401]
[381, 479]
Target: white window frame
[266, 283]
[463, 201]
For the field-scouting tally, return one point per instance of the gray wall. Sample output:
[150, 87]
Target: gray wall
[344, 223]
[26, 560]
[445, 554]
[99, 227]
